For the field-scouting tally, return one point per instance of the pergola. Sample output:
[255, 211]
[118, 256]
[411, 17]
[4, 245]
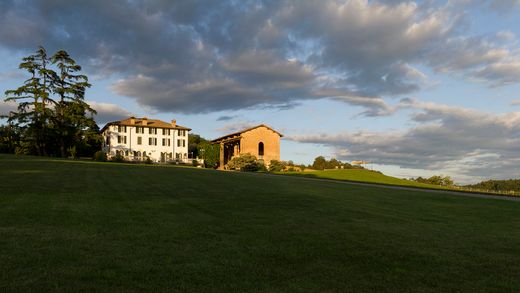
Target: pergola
[229, 148]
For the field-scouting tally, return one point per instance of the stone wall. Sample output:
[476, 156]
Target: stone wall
[252, 138]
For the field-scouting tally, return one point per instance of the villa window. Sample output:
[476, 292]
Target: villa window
[152, 130]
[152, 141]
[139, 140]
[121, 129]
[165, 131]
[139, 129]
[121, 139]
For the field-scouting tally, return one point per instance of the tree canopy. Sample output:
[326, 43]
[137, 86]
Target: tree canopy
[52, 118]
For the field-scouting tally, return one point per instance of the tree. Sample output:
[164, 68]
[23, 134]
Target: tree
[435, 180]
[73, 115]
[52, 115]
[9, 137]
[33, 99]
[194, 143]
[319, 163]
[210, 153]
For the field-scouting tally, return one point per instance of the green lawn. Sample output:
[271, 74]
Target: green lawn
[80, 226]
[361, 175]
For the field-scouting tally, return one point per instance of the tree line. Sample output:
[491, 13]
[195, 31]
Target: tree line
[320, 163]
[52, 117]
[435, 180]
[497, 185]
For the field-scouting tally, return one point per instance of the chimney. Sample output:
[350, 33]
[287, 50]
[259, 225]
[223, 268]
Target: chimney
[132, 120]
[145, 121]
[174, 122]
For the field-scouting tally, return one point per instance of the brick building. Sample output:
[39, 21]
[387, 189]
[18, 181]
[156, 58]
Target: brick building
[261, 141]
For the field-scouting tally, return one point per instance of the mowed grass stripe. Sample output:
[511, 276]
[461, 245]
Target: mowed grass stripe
[69, 226]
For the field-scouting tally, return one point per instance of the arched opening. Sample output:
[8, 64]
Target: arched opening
[260, 149]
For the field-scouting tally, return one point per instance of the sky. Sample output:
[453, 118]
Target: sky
[415, 88]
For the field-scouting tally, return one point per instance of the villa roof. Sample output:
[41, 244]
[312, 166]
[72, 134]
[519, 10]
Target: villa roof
[149, 123]
[238, 133]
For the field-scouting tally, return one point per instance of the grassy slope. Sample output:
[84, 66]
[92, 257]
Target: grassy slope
[86, 226]
[360, 175]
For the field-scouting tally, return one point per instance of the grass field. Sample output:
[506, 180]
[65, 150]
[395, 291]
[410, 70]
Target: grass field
[361, 175]
[81, 226]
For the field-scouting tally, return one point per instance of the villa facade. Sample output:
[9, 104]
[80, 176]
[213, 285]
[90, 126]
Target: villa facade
[137, 139]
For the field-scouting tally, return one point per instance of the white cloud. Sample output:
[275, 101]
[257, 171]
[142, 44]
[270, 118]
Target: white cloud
[501, 73]
[6, 107]
[10, 75]
[235, 126]
[446, 139]
[233, 55]
[107, 112]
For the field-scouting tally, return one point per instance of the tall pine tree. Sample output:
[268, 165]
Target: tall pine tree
[52, 113]
[73, 115]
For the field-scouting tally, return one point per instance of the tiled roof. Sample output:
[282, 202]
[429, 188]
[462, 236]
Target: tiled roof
[245, 130]
[150, 123]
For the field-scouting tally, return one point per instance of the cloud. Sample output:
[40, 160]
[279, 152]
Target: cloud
[207, 56]
[501, 73]
[461, 141]
[10, 75]
[505, 36]
[226, 118]
[367, 41]
[249, 80]
[478, 58]
[504, 5]
[236, 126]
[6, 107]
[108, 112]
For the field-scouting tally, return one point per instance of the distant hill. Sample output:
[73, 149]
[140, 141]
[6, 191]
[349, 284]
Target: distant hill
[363, 175]
[498, 185]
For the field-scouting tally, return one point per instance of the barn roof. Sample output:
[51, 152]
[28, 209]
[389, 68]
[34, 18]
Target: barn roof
[238, 133]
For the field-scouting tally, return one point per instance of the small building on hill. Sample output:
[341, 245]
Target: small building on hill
[136, 139]
[261, 141]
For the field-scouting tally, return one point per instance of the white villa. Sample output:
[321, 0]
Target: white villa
[138, 138]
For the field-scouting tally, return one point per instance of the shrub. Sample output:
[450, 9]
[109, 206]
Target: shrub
[276, 166]
[148, 160]
[72, 151]
[118, 158]
[100, 156]
[246, 163]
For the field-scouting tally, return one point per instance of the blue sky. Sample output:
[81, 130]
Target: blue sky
[415, 88]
